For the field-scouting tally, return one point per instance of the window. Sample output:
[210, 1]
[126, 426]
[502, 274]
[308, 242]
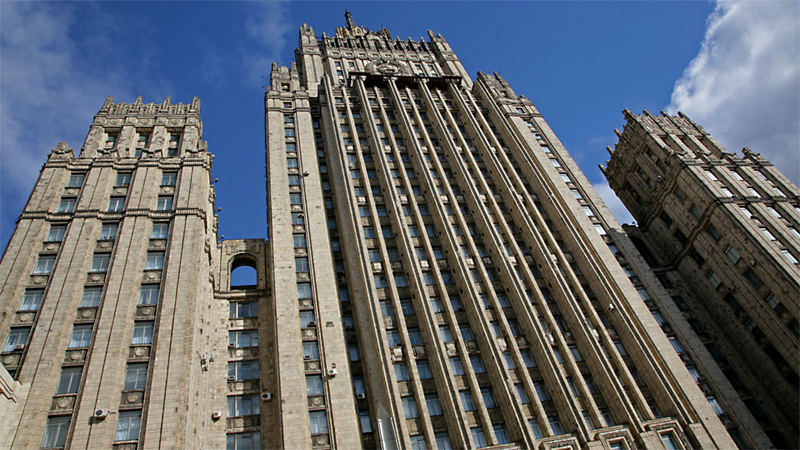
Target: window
[466, 400]
[17, 338]
[669, 441]
[298, 218]
[116, 204]
[713, 232]
[142, 140]
[477, 437]
[313, 385]
[291, 147]
[711, 175]
[243, 441]
[243, 405]
[732, 254]
[31, 300]
[715, 405]
[142, 333]
[456, 367]
[299, 241]
[301, 264]
[534, 425]
[555, 424]
[55, 433]
[319, 422]
[488, 397]
[307, 319]
[366, 423]
[108, 232]
[155, 261]
[160, 230]
[66, 205]
[714, 279]
[164, 203]
[523, 397]
[424, 369]
[726, 192]
[100, 262]
[123, 179]
[136, 376]
[442, 441]
[789, 256]
[239, 310]
[91, 297]
[541, 391]
[169, 178]
[477, 364]
[352, 351]
[418, 441]
[76, 180]
[310, 350]
[56, 233]
[410, 407]
[81, 335]
[70, 380]
[303, 290]
[288, 132]
[401, 371]
[675, 344]
[527, 357]
[148, 295]
[502, 436]
[767, 233]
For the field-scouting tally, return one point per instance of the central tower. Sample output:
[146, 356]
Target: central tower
[447, 273]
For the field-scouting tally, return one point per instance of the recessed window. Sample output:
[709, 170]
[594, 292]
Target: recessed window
[164, 203]
[91, 297]
[70, 380]
[169, 178]
[142, 333]
[56, 233]
[314, 385]
[81, 335]
[478, 437]
[17, 338]
[55, 433]
[123, 179]
[108, 232]
[243, 370]
[155, 261]
[100, 262]
[76, 180]
[243, 338]
[318, 421]
[136, 376]
[160, 230]
[116, 204]
[242, 441]
[31, 300]
[128, 426]
[148, 295]
[44, 266]
[66, 205]
[240, 310]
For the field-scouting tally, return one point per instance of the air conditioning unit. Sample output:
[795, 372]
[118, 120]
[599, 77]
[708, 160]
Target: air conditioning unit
[361, 396]
[216, 415]
[100, 413]
[311, 324]
[332, 372]
[19, 347]
[266, 396]
[306, 357]
[231, 378]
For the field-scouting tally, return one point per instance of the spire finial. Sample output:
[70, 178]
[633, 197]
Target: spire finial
[349, 20]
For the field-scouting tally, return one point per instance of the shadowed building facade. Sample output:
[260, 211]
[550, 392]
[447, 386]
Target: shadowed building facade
[722, 232]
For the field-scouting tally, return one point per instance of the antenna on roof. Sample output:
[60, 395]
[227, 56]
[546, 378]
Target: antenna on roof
[349, 19]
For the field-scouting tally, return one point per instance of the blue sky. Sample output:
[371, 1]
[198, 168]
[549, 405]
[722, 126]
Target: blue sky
[732, 67]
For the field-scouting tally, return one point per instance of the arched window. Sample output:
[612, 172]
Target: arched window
[244, 274]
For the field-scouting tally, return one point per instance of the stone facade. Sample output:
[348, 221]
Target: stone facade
[438, 274]
[722, 232]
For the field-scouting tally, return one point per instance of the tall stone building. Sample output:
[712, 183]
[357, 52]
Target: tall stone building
[722, 232]
[449, 275]
[438, 274]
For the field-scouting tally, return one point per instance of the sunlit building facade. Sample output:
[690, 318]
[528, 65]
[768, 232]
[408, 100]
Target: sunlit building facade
[439, 274]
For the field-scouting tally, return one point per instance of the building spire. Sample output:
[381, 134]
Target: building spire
[349, 20]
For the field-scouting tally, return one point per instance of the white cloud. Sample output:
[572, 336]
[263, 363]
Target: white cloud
[50, 85]
[613, 202]
[744, 85]
[269, 27]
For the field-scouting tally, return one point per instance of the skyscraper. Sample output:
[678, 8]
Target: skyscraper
[721, 231]
[435, 248]
[438, 274]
